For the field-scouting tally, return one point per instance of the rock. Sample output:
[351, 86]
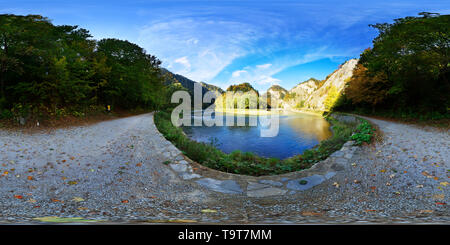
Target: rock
[271, 191]
[188, 176]
[256, 186]
[337, 154]
[329, 175]
[271, 182]
[348, 155]
[179, 167]
[223, 186]
[183, 162]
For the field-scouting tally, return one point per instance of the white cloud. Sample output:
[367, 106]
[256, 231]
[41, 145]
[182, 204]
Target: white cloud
[267, 80]
[238, 73]
[265, 66]
[221, 42]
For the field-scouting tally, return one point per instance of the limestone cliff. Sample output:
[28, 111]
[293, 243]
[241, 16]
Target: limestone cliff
[309, 95]
[323, 97]
[298, 95]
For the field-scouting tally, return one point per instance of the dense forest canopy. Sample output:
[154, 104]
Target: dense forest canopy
[406, 71]
[243, 87]
[51, 69]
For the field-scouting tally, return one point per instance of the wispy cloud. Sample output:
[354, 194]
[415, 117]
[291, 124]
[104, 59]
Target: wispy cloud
[203, 46]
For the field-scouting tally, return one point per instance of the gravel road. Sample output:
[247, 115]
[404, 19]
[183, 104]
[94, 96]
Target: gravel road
[116, 171]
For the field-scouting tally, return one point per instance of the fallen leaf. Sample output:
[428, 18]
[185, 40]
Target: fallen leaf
[383, 170]
[388, 184]
[356, 181]
[18, 196]
[425, 211]
[311, 214]
[209, 211]
[63, 220]
[82, 208]
[444, 183]
[441, 203]
[139, 164]
[373, 187]
[72, 182]
[371, 210]
[425, 173]
[438, 197]
[125, 201]
[72, 158]
[31, 200]
[30, 178]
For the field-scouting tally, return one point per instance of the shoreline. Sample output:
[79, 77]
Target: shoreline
[257, 112]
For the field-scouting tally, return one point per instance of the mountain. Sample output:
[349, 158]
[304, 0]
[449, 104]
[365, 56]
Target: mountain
[277, 94]
[172, 78]
[312, 94]
[234, 99]
[212, 88]
[299, 94]
[323, 98]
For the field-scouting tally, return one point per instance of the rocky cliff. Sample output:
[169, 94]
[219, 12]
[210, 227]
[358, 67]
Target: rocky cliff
[325, 96]
[309, 95]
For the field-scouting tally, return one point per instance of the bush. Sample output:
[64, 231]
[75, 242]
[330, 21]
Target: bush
[364, 133]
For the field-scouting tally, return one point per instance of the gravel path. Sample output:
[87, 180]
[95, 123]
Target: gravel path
[125, 171]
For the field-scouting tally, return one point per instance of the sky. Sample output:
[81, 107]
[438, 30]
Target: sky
[282, 42]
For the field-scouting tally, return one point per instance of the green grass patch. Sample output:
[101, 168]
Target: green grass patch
[247, 163]
[364, 132]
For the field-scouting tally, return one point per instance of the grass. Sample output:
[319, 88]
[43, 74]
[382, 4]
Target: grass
[247, 163]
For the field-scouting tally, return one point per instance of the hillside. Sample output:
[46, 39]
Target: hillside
[188, 84]
[233, 99]
[324, 97]
[299, 94]
[312, 94]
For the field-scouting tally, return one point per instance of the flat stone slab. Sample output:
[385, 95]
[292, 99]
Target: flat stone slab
[311, 181]
[271, 191]
[271, 182]
[256, 186]
[179, 167]
[223, 186]
[329, 175]
[188, 176]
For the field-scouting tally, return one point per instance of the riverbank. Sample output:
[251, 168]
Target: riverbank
[119, 171]
[257, 112]
[248, 163]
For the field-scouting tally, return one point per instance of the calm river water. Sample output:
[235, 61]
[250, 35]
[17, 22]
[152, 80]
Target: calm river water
[297, 133]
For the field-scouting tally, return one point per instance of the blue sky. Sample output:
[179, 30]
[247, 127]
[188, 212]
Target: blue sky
[227, 42]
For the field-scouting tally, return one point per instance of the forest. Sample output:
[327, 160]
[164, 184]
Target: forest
[405, 73]
[49, 70]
